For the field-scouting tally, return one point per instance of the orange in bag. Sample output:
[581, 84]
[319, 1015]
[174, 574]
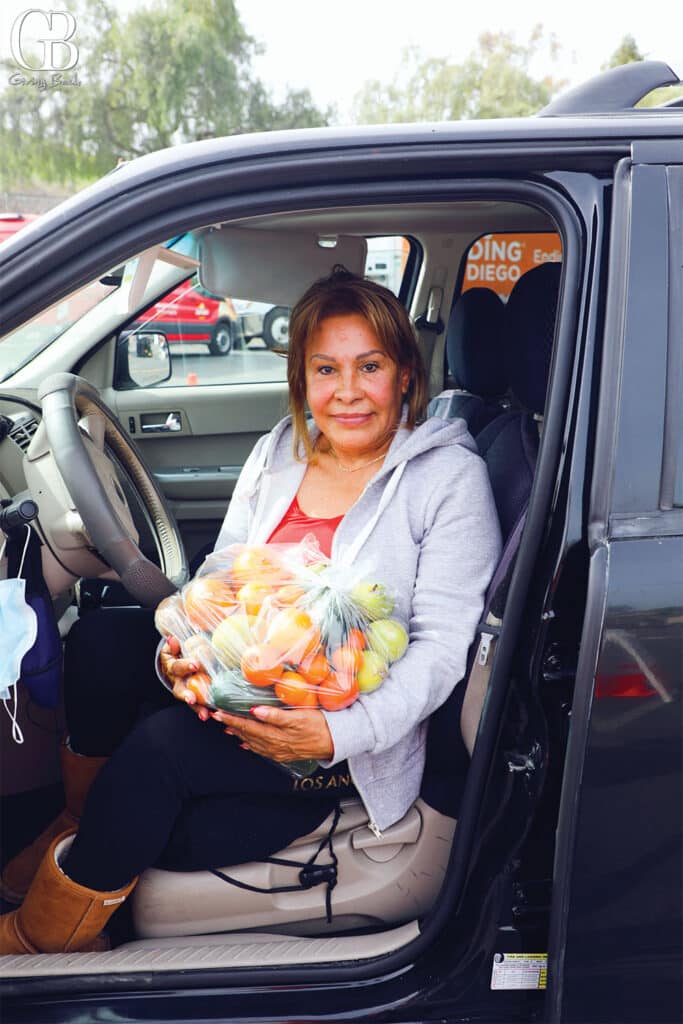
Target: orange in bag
[337, 691]
[293, 689]
[314, 668]
[292, 632]
[256, 564]
[207, 600]
[261, 665]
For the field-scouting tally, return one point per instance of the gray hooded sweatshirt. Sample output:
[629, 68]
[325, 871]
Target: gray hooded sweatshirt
[426, 526]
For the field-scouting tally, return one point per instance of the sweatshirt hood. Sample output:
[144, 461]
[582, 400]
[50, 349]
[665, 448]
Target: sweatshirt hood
[406, 445]
[432, 433]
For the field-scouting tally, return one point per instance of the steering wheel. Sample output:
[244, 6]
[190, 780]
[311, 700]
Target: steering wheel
[78, 425]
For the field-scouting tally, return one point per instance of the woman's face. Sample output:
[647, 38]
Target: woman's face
[354, 390]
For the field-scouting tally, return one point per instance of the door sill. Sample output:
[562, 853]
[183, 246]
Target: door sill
[211, 952]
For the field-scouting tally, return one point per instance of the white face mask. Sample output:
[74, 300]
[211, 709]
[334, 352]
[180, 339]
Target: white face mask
[18, 631]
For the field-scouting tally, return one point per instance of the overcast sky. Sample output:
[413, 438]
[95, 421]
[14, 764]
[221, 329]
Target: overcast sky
[334, 46]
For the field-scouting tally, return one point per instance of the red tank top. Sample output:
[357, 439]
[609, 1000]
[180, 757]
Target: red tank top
[295, 524]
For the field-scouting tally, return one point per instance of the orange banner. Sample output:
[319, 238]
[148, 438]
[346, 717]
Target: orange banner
[498, 261]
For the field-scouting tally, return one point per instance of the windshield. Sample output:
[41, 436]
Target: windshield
[18, 347]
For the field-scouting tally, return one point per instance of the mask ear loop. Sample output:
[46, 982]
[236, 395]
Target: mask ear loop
[23, 553]
[17, 734]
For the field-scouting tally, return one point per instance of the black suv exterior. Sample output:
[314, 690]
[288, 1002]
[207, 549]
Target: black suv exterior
[568, 850]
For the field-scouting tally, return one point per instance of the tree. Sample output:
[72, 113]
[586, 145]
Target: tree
[627, 52]
[494, 81]
[170, 72]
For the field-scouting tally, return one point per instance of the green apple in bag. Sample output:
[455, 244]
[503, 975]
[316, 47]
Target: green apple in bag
[371, 672]
[231, 636]
[372, 599]
[388, 638]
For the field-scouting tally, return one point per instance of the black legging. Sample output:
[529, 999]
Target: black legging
[176, 792]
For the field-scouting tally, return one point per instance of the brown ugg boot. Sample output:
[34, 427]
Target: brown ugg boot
[58, 915]
[78, 773]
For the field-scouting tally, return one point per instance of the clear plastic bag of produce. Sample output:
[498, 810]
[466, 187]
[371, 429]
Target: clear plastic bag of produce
[281, 624]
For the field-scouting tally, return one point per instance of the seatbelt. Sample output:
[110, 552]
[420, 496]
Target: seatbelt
[431, 338]
[310, 875]
[488, 631]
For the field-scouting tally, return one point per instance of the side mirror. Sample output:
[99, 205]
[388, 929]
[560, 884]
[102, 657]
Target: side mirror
[143, 359]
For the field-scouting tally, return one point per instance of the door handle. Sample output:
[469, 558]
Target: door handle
[171, 424]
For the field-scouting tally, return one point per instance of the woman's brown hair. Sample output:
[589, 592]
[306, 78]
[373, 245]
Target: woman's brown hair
[343, 294]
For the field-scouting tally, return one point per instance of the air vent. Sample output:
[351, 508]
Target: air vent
[23, 430]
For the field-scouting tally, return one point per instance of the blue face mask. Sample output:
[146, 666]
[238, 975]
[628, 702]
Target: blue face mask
[18, 631]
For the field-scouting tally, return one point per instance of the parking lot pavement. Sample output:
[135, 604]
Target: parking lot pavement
[253, 365]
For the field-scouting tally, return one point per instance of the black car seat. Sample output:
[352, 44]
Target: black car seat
[509, 446]
[474, 354]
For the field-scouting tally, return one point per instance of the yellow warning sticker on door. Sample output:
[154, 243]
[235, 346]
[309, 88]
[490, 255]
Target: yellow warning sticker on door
[519, 970]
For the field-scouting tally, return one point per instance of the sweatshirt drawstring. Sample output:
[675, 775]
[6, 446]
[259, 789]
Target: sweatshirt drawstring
[350, 554]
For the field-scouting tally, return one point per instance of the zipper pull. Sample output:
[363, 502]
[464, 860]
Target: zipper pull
[374, 829]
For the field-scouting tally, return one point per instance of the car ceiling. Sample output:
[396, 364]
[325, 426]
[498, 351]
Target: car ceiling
[407, 218]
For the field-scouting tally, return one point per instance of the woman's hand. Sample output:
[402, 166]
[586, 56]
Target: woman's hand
[177, 671]
[282, 735]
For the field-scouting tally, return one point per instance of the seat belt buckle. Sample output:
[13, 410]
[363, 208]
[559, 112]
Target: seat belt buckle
[484, 648]
[488, 634]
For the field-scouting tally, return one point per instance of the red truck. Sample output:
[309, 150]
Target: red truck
[189, 314]
[13, 222]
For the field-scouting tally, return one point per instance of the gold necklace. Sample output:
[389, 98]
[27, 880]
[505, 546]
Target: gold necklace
[354, 469]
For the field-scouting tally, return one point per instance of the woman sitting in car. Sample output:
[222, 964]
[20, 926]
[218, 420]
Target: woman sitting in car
[372, 480]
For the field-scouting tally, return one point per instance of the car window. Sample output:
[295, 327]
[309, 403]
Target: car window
[387, 260]
[20, 346]
[95, 304]
[10, 223]
[497, 261]
[221, 339]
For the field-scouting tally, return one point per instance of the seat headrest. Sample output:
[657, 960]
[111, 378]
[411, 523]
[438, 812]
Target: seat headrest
[530, 314]
[474, 343]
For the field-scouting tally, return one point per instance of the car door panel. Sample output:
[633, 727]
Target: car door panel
[198, 464]
[621, 842]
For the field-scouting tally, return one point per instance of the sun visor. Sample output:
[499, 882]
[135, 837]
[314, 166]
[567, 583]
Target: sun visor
[273, 266]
